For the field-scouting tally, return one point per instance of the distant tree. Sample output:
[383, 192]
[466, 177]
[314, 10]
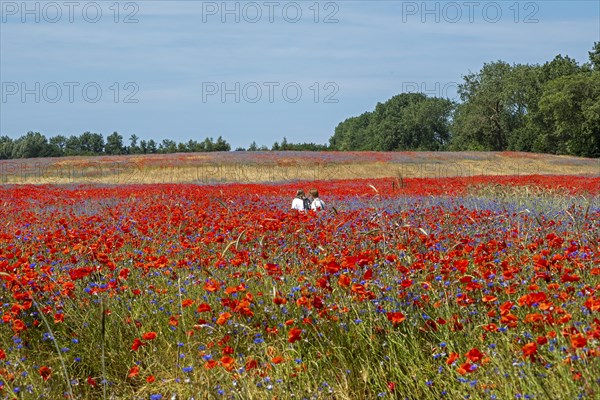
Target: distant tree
[152, 147]
[253, 146]
[32, 145]
[133, 147]
[408, 121]
[6, 145]
[114, 144]
[485, 119]
[569, 115]
[351, 134]
[143, 147]
[58, 145]
[560, 66]
[192, 146]
[240, 148]
[221, 145]
[427, 124]
[595, 56]
[92, 144]
[208, 144]
[72, 146]
[284, 144]
[168, 146]
[287, 146]
[183, 148]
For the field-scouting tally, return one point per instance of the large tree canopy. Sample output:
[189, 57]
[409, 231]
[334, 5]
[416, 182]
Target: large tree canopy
[408, 121]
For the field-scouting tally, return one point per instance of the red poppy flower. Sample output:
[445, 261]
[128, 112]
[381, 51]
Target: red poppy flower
[529, 349]
[227, 362]
[137, 343]
[294, 335]
[149, 336]
[187, 302]
[45, 372]
[578, 341]
[452, 358]
[277, 360]
[223, 318]
[396, 317]
[474, 355]
[133, 371]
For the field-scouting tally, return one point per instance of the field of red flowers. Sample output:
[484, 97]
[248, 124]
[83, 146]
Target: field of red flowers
[479, 288]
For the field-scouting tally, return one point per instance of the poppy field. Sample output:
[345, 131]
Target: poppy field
[476, 288]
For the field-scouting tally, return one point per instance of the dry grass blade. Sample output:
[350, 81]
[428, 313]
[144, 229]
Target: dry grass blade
[371, 231]
[236, 242]
[222, 203]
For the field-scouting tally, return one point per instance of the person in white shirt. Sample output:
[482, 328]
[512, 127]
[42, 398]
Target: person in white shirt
[298, 202]
[317, 203]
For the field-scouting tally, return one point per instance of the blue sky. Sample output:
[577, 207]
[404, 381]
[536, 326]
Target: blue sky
[257, 70]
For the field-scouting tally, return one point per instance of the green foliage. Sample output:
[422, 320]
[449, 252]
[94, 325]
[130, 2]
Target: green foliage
[286, 146]
[408, 121]
[569, 110]
[6, 145]
[595, 56]
[549, 108]
[34, 144]
[114, 144]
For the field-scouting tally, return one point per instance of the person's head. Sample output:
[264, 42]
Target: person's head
[300, 193]
[314, 193]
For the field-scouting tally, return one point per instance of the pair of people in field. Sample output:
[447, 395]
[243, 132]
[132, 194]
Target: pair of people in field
[302, 203]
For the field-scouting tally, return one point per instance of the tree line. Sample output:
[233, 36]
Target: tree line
[550, 108]
[35, 144]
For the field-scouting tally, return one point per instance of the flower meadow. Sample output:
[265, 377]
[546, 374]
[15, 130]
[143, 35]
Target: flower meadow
[478, 288]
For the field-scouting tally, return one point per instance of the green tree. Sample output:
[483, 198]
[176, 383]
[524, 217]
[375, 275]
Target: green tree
[133, 146]
[208, 144]
[284, 144]
[560, 66]
[6, 145]
[114, 144]
[569, 114]
[488, 114]
[221, 145]
[58, 145]
[152, 146]
[595, 56]
[143, 147]
[168, 146]
[427, 123]
[351, 134]
[408, 121]
[32, 145]
[92, 144]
